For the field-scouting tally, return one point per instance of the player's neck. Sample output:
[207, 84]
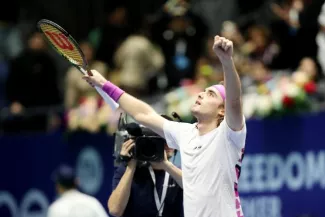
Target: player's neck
[205, 127]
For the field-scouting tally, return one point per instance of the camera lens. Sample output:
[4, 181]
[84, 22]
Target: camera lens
[148, 149]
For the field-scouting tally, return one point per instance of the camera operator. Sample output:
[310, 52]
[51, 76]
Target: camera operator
[146, 191]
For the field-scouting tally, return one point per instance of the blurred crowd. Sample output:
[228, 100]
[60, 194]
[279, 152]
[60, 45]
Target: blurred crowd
[166, 61]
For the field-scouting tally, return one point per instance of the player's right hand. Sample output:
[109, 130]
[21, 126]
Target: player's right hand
[126, 148]
[223, 48]
[96, 79]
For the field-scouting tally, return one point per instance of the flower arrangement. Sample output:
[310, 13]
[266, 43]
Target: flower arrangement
[281, 96]
[91, 115]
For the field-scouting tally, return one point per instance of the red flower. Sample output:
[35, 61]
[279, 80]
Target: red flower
[288, 101]
[310, 87]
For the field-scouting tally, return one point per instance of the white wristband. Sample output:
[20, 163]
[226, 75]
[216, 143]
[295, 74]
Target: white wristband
[109, 101]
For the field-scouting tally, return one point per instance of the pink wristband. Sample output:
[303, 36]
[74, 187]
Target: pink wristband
[112, 90]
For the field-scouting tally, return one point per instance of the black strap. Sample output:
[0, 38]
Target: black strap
[124, 159]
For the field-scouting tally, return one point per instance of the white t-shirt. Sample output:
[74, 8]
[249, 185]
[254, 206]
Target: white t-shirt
[76, 204]
[210, 166]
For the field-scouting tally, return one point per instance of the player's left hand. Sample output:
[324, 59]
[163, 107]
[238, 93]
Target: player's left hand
[223, 48]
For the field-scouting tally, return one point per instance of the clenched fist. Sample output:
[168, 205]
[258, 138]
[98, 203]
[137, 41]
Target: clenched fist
[223, 48]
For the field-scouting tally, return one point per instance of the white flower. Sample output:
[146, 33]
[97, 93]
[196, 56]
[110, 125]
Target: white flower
[249, 104]
[185, 105]
[171, 97]
[292, 90]
[263, 105]
[276, 97]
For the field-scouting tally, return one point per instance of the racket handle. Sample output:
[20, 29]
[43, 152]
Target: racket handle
[109, 101]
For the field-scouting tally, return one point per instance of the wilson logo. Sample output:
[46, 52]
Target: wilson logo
[60, 40]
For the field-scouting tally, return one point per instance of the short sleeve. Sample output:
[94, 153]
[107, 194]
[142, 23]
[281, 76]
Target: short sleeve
[236, 138]
[50, 212]
[174, 132]
[119, 172]
[53, 211]
[101, 212]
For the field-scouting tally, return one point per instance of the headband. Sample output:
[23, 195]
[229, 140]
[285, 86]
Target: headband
[221, 89]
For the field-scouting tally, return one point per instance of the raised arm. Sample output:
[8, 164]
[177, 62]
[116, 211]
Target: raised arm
[139, 110]
[234, 115]
[142, 113]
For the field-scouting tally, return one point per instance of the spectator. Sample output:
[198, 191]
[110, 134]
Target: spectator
[75, 88]
[181, 38]
[32, 82]
[138, 60]
[108, 37]
[84, 106]
[301, 19]
[73, 203]
[260, 45]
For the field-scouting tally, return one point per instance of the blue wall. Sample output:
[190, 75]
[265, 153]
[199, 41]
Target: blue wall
[283, 172]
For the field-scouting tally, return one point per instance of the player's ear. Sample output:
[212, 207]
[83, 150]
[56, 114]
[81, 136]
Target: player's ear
[221, 110]
[221, 114]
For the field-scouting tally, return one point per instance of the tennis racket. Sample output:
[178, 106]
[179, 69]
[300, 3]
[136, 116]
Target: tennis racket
[67, 47]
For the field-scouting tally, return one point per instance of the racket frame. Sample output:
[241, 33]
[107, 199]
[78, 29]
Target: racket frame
[84, 69]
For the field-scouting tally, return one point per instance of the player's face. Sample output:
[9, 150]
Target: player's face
[207, 104]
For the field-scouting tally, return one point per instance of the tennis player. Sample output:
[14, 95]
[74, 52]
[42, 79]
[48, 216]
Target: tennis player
[211, 149]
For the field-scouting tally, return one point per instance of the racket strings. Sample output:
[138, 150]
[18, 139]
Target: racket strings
[62, 43]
